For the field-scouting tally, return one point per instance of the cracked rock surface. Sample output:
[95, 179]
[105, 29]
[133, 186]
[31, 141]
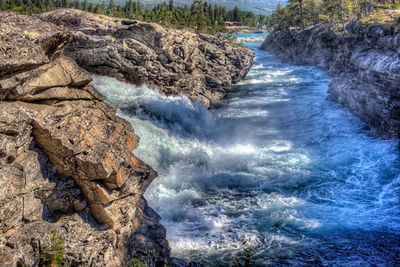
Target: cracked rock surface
[175, 62]
[66, 158]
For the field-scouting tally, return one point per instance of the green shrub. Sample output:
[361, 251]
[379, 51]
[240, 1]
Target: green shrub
[53, 256]
[137, 263]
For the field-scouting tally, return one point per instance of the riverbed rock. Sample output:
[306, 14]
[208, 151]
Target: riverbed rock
[364, 62]
[27, 43]
[199, 66]
[66, 160]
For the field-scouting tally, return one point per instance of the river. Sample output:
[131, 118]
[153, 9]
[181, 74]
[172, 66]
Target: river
[278, 176]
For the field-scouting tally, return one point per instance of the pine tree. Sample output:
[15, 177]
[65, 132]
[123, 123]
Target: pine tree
[138, 8]
[236, 14]
[50, 5]
[77, 5]
[261, 20]
[211, 17]
[85, 5]
[90, 7]
[196, 13]
[66, 3]
[111, 8]
[337, 10]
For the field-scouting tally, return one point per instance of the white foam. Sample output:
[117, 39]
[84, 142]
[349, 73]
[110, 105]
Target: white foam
[312, 171]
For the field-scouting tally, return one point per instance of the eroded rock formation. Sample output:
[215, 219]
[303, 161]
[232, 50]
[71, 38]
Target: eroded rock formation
[65, 158]
[173, 61]
[364, 63]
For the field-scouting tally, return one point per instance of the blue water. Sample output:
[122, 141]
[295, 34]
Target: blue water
[279, 175]
[251, 35]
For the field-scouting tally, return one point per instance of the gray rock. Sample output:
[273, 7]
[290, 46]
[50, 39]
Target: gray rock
[27, 43]
[173, 61]
[148, 243]
[175, 262]
[195, 264]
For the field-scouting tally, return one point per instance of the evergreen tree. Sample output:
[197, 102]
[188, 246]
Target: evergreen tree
[236, 14]
[262, 20]
[50, 5]
[66, 3]
[196, 13]
[85, 5]
[111, 8]
[77, 5]
[210, 13]
[90, 7]
[202, 16]
[171, 5]
[336, 10]
[138, 10]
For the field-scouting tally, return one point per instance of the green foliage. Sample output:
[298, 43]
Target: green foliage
[137, 263]
[200, 16]
[303, 13]
[53, 255]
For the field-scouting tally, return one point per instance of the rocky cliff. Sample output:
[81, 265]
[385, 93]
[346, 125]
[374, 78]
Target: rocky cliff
[172, 61]
[364, 63]
[65, 159]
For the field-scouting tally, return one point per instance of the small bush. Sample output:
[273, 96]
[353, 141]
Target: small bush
[137, 263]
[53, 256]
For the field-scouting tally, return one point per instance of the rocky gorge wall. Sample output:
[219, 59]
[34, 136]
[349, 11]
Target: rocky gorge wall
[202, 67]
[363, 61]
[66, 160]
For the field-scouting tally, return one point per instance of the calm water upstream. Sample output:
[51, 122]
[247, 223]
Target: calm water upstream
[279, 173]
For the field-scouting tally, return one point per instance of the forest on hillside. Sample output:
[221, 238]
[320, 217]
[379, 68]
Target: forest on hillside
[264, 7]
[201, 16]
[303, 13]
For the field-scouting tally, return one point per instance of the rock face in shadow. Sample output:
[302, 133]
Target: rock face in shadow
[364, 63]
[173, 61]
[66, 159]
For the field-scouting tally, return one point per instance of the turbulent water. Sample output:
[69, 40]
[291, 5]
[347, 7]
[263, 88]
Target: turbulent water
[279, 176]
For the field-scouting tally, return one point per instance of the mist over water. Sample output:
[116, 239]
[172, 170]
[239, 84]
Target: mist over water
[280, 171]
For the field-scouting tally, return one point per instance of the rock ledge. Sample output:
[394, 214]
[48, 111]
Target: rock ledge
[175, 62]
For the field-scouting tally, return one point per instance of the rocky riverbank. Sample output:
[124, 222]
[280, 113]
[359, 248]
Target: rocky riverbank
[65, 157]
[364, 63]
[66, 160]
[175, 62]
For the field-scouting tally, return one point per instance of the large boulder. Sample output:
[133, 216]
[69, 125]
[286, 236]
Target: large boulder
[66, 160]
[173, 61]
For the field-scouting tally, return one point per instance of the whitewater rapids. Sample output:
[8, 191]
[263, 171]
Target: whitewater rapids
[279, 173]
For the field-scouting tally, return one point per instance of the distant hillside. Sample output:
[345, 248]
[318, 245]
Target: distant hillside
[256, 6]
